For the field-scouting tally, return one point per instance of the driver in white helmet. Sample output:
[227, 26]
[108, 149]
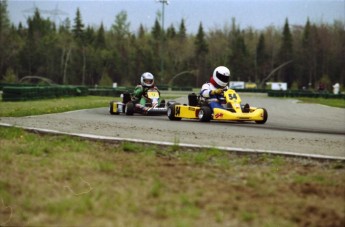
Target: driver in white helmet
[212, 91]
[147, 82]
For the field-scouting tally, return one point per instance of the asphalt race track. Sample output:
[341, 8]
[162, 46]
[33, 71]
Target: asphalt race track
[291, 127]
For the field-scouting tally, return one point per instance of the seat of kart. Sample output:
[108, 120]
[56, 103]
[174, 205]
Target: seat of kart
[193, 99]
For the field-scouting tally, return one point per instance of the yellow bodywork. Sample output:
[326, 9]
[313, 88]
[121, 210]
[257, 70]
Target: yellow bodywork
[191, 112]
[115, 107]
[253, 115]
[234, 111]
[186, 111]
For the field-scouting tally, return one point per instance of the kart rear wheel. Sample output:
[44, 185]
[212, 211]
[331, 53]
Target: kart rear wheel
[111, 108]
[170, 103]
[129, 109]
[205, 114]
[263, 121]
[171, 112]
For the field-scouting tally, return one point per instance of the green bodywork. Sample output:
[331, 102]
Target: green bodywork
[140, 93]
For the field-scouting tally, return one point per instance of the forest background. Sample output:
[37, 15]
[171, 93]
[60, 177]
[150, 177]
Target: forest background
[74, 53]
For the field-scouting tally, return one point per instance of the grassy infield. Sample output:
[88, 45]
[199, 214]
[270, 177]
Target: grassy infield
[49, 180]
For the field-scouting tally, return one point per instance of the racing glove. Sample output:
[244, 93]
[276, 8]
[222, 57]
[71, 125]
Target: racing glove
[217, 91]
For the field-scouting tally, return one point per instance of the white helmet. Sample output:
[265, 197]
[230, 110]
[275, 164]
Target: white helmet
[221, 76]
[147, 79]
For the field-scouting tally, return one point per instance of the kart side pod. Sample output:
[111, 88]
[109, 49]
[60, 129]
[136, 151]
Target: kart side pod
[116, 108]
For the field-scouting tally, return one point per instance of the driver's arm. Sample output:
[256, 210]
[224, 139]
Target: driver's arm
[205, 91]
[138, 91]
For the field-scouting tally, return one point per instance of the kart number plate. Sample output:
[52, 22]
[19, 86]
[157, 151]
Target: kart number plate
[152, 94]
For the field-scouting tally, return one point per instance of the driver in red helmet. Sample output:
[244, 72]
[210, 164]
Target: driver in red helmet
[212, 91]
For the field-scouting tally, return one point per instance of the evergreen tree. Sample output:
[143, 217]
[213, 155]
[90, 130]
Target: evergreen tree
[201, 47]
[201, 50]
[78, 28]
[156, 31]
[100, 38]
[262, 59]
[239, 61]
[171, 33]
[89, 36]
[182, 33]
[144, 57]
[337, 52]
[141, 32]
[156, 44]
[79, 59]
[307, 56]
[35, 54]
[286, 55]
[4, 35]
[4, 18]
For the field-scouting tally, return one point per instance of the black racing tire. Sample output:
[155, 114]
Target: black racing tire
[162, 104]
[111, 108]
[265, 117]
[169, 103]
[205, 114]
[129, 109]
[171, 112]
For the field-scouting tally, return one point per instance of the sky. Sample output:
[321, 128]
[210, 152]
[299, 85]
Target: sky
[213, 14]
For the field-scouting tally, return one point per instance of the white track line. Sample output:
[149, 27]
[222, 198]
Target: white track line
[233, 149]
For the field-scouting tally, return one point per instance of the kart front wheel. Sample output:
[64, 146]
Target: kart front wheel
[265, 116]
[171, 112]
[129, 109]
[205, 114]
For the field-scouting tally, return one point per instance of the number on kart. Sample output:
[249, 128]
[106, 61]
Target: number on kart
[177, 111]
[152, 94]
[232, 96]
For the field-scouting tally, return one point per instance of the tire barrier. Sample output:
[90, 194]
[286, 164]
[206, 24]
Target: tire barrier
[24, 93]
[305, 94]
[113, 92]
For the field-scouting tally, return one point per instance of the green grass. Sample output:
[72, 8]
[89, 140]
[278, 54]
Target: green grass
[26, 108]
[54, 180]
[328, 102]
[66, 181]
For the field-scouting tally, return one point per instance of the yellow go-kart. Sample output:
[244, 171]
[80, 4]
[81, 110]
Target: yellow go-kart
[198, 108]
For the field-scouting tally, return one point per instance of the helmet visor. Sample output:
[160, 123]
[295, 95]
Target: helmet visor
[148, 81]
[222, 77]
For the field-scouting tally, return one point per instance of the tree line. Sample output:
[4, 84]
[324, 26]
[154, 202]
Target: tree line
[75, 53]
